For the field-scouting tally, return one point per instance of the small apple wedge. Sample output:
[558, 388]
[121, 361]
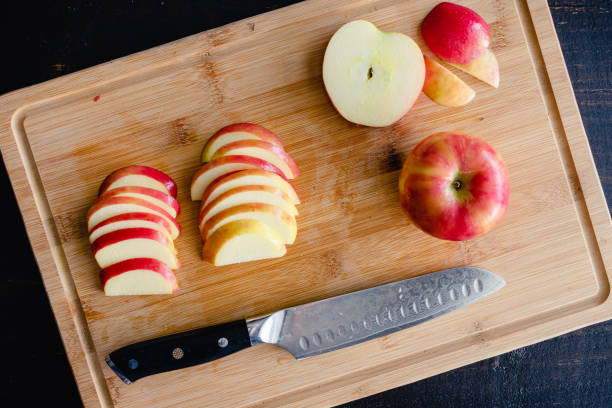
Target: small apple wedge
[235, 132]
[155, 197]
[106, 208]
[138, 276]
[256, 177]
[262, 150]
[131, 220]
[242, 241]
[484, 68]
[444, 87]
[243, 195]
[142, 176]
[274, 217]
[131, 243]
[372, 77]
[223, 165]
[455, 33]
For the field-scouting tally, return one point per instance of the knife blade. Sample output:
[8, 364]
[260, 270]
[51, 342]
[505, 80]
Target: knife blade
[313, 328]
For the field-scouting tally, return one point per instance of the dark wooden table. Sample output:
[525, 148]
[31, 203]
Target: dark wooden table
[48, 39]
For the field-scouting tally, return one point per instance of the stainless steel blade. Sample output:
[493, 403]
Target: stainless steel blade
[315, 328]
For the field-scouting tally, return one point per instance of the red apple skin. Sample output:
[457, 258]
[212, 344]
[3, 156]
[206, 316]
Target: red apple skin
[428, 191]
[155, 174]
[128, 233]
[455, 33]
[134, 216]
[139, 263]
[165, 198]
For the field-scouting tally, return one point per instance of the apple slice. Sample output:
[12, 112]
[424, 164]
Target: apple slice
[131, 220]
[455, 33]
[444, 87]
[247, 194]
[235, 132]
[106, 208]
[484, 68]
[223, 165]
[372, 77]
[242, 241]
[274, 217]
[138, 276]
[156, 197]
[139, 176]
[262, 150]
[256, 177]
[125, 244]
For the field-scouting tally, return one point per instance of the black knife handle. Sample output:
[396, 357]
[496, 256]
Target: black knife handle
[179, 350]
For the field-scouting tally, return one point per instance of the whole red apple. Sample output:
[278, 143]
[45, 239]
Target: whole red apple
[454, 186]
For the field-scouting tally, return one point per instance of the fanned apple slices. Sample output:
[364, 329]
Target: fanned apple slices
[131, 228]
[247, 209]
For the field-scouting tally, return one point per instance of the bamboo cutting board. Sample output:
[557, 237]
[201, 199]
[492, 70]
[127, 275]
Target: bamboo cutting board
[158, 107]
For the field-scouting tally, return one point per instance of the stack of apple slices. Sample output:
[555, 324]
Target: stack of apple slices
[131, 227]
[247, 209]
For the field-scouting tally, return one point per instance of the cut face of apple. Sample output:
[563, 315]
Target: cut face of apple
[139, 176]
[444, 87]
[234, 133]
[242, 241]
[262, 150]
[484, 68]
[155, 197]
[224, 165]
[242, 178]
[455, 33]
[247, 194]
[121, 245]
[138, 276]
[106, 208]
[274, 217]
[372, 77]
[131, 220]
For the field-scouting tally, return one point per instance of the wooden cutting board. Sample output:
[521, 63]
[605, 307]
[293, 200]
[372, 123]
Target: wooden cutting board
[158, 107]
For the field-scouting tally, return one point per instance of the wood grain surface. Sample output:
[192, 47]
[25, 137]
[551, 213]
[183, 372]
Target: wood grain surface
[353, 170]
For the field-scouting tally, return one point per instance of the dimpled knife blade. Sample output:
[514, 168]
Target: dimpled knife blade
[313, 328]
[319, 327]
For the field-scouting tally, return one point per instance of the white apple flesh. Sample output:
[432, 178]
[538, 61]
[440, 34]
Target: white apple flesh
[372, 77]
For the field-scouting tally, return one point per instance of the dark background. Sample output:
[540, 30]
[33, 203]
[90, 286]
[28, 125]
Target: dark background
[48, 39]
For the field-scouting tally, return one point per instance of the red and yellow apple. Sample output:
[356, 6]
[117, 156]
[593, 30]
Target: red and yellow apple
[138, 276]
[372, 77]
[242, 241]
[156, 197]
[444, 87]
[124, 244]
[454, 186]
[485, 68]
[262, 150]
[455, 33]
[224, 165]
[236, 132]
[139, 176]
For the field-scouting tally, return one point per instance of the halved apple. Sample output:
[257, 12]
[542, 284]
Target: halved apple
[484, 68]
[271, 215]
[242, 241]
[131, 220]
[138, 276]
[223, 165]
[247, 194]
[124, 244]
[444, 87]
[262, 150]
[142, 176]
[156, 197]
[235, 132]
[106, 208]
[256, 177]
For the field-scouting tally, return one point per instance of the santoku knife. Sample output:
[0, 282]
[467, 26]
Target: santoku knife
[313, 328]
